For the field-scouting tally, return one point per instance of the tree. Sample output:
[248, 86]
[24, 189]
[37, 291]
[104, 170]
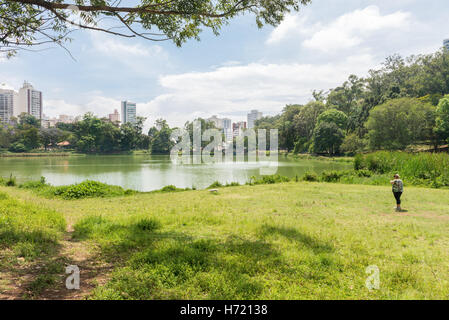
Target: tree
[160, 138]
[334, 116]
[30, 138]
[400, 122]
[353, 144]
[442, 119]
[27, 23]
[328, 138]
[51, 136]
[27, 120]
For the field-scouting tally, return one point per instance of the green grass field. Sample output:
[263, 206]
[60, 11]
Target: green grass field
[283, 241]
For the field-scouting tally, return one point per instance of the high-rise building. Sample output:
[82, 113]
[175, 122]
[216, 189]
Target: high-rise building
[253, 116]
[29, 101]
[446, 44]
[8, 101]
[114, 117]
[129, 112]
[227, 129]
[238, 128]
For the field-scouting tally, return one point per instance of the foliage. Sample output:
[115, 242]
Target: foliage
[333, 116]
[310, 177]
[159, 135]
[442, 119]
[400, 122]
[17, 147]
[421, 169]
[328, 138]
[352, 144]
[35, 23]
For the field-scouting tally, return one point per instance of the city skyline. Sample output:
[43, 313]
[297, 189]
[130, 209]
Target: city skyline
[12, 104]
[243, 69]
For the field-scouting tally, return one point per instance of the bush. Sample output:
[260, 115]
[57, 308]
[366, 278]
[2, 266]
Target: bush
[88, 189]
[34, 184]
[364, 173]
[310, 176]
[270, 179]
[17, 147]
[331, 176]
[170, 188]
[11, 182]
[214, 185]
[419, 169]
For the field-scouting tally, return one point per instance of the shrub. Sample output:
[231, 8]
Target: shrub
[11, 182]
[232, 184]
[170, 188]
[88, 189]
[34, 184]
[331, 176]
[17, 147]
[214, 185]
[363, 173]
[310, 176]
[270, 179]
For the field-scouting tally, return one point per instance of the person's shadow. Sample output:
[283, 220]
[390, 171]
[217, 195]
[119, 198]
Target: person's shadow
[403, 211]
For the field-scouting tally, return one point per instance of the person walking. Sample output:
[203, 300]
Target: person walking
[398, 190]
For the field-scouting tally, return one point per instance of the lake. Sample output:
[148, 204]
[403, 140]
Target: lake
[147, 172]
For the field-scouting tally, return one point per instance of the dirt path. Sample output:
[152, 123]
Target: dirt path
[28, 281]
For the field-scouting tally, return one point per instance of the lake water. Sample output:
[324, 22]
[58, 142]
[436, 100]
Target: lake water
[146, 173]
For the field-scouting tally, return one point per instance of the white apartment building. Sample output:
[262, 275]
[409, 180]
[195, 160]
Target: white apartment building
[29, 101]
[253, 116]
[8, 101]
[225, 124]
[129, 112]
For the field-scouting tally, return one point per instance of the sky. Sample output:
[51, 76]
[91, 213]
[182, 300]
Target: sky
[244, 68]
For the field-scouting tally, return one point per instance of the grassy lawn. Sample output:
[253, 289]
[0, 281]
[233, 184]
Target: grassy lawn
[284, 241]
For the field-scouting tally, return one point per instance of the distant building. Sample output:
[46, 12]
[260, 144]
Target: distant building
[224, 124]
[227, 129]
[446, 44]
[114, 117]
[51, 122]
[66, 119]
[29, 101]
[129, 112]
[253, 116]
[8, 101]
[238, 128]
[216, 121]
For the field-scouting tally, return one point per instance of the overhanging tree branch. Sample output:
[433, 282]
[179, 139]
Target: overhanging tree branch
[153, 20]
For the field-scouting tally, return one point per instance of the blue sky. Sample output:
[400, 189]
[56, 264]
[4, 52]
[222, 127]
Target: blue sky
[242, 69]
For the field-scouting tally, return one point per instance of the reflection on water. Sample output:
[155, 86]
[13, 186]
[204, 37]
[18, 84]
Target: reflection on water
[146, 173]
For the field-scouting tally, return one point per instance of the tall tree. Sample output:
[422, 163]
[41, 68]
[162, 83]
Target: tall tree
[400, 122]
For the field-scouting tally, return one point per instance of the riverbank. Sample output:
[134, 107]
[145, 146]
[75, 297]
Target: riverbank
[279, 241]
[43, 154]
[66, 154]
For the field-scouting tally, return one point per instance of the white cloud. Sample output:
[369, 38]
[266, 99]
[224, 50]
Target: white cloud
[234, 90]
[123, 49]
[97, 104]
[351, 29]
[290, 26]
